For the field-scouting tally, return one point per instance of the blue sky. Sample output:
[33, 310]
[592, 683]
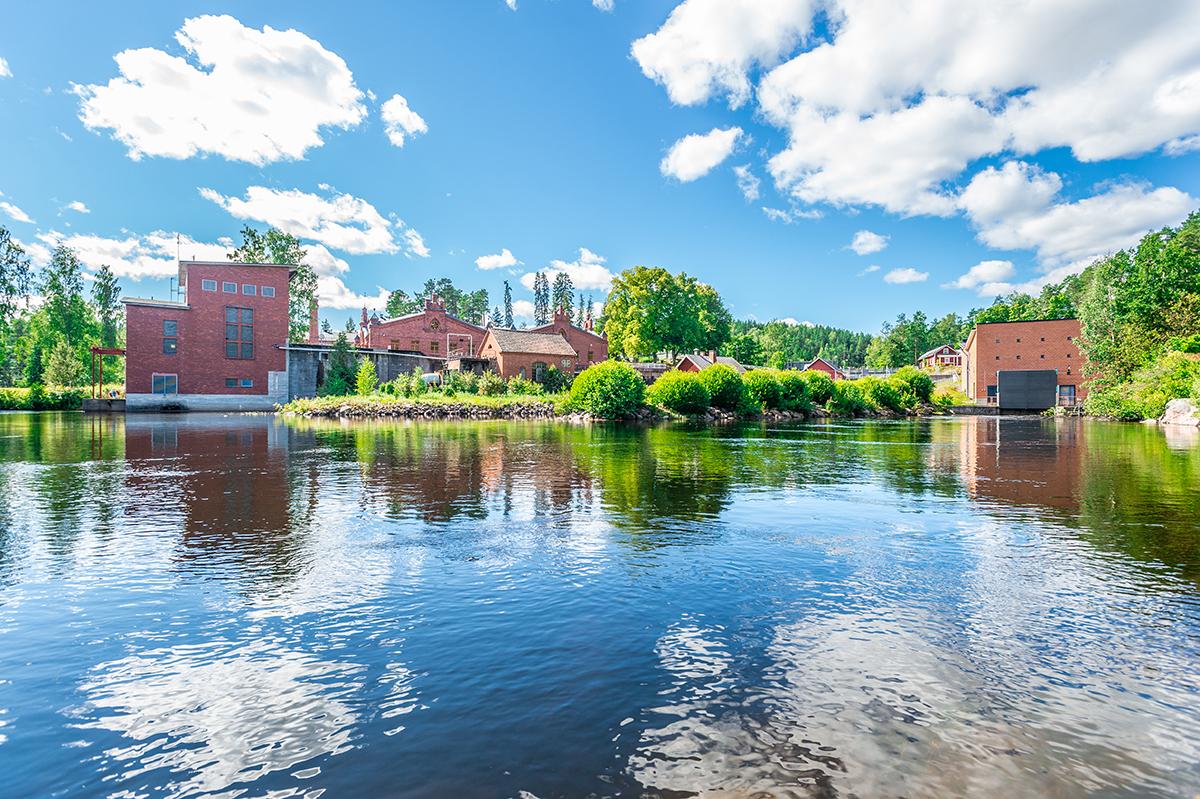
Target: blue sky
[980, 150]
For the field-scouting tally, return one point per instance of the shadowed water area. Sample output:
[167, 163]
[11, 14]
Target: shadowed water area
[256, 607]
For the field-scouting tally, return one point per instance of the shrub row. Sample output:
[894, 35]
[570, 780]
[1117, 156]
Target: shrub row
[39, 398]
[1174, 375]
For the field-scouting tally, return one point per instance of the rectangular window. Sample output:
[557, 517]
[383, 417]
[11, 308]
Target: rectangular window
[231, 382]
[991, 394]
[170, 331]
[164, 384]
[249, 289]
[247, 383]
[1066, 395]
[170, 327]
[229, 288]
[433, 346]
[239, 333]
[268, 291]
[208, 285]
[170, 346]
[416, 345]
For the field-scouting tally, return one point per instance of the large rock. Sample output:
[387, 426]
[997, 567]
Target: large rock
[1181, 412]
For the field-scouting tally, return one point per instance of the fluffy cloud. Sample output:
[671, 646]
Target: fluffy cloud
[323, 262]
[794, 322]
[401, 121]
[905, 275]
[499, 260]
[5, 72]
[511, 4]
[241, 93]
[986, 277]
[893, 105]
[748, 183]
[523, 309]
[332, 292]
[708, 47]
[39, 254]
[696, 154]
[14, 212]
[78, 207]
[603, 5]
[137, 257]
[340, 221]
[586, 272]
[1016, 207]
[870, 269]
[866, 242]
[789, 215]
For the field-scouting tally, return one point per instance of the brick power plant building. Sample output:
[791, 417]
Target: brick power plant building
[224, 346]
[1024, 365]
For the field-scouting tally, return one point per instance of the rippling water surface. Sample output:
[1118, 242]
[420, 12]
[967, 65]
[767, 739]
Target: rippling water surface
[245, 606]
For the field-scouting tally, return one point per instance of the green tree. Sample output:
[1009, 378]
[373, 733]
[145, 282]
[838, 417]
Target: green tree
[106, 300]
[541, 299]
[508, 305]
[471, 306]
[649, 310]
[63, 367]
[339, 375]
[16, 277]
[365, 381]
[276, 247]
[563, 294]
[579, 320]
[714, 318]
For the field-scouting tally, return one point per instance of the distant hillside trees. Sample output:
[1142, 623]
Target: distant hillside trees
[776, 343]
[470, 306]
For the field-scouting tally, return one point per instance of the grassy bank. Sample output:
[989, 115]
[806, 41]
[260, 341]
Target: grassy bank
[52, 398]
[430, 405]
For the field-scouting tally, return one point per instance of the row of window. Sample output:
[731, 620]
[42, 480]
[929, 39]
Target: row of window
[169, 383]
[239, 334]
[1043, 338]
[248, 289]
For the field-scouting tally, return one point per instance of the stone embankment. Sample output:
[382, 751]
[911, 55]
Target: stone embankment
[1182, 412]
[441, 410]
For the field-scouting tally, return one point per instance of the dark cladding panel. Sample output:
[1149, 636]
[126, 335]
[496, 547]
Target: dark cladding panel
[1027, 389]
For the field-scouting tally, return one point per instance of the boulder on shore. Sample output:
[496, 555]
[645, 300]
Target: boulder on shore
[1181, 412]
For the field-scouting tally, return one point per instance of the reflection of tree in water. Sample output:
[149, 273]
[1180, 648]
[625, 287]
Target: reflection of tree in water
[69, 467]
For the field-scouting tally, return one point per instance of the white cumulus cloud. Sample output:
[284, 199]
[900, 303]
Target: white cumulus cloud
[499, 260]
[400, 121]
[340, 221]
[237, 92]
[5, 72]
[603, 5]
[586, 272]
[986, 277]
[78, 207]
[708, 47]
[905, 275]
[866, 242]
[332, 292]
[696, 154]
[136, 257]
[523, 309]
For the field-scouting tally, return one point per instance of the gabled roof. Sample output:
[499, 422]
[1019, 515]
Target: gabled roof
[549, 326]
[936, 350]
[702, 362]
[531, 343]
[389, 320]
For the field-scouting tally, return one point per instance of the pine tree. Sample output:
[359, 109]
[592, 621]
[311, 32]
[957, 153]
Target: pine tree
[63, 366]
[339, 376]
[508, 312]
[541, 299]
[564, 293]
[579, 313]
[494, 319]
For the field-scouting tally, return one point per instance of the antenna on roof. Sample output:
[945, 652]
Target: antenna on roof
[176, 247]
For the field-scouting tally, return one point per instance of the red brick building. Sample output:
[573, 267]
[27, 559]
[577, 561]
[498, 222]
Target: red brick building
[521, 353]
[590, 347]
[1023, 346]
[218, 348]
[432, 332]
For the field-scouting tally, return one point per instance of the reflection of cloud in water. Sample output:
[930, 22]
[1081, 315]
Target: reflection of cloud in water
[225, 713]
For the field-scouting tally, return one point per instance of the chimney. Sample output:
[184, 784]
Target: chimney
[711, 355]
[314, 326]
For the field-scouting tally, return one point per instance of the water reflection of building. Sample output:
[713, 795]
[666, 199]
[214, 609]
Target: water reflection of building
[230, 481]
[1022, 461]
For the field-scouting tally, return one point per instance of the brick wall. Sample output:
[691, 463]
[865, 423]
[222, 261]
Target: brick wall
[510, 364]
[432, 332]
[1024, 345]
[200, 360]
[590, 347]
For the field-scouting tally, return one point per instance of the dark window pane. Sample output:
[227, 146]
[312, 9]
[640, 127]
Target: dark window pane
[247, 316]
[231, 332]
[231, 382]
[231, 349]
[170, 326]
[247, 383]
[247, 333]
[247, 350]
[230, 314]
[170, 345]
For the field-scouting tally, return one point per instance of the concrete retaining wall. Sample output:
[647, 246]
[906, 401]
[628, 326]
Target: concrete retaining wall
[157, 403]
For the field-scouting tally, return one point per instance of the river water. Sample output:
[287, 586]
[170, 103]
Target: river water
[256, 607]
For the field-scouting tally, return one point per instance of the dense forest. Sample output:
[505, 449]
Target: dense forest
[776, 343]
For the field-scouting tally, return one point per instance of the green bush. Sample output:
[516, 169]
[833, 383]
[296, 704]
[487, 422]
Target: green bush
[682, 392]
[948, 396]
[555, 380]
[793, 392]
[520, 386]
[919, 383]
[763, 387]
[334, 386]
[725, 387]
[459, 383]
[820, 386]
[38, 398]
[847, 399]
[891, 393]
[609, 390]
[1186, 343]
[491, 384]
[1145, 396]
